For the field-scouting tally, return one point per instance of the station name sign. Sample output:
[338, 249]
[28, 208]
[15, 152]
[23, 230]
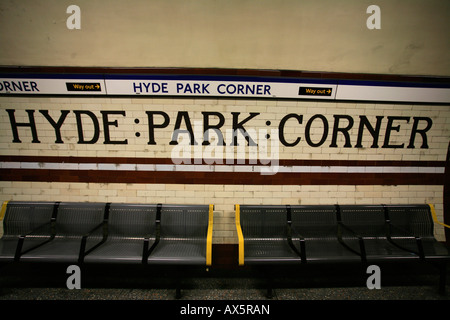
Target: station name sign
[234, 87]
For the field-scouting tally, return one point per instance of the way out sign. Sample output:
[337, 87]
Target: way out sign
[315, 91]
[80, 86]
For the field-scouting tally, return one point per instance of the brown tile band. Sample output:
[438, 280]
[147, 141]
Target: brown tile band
[224, 178]
[281, 162]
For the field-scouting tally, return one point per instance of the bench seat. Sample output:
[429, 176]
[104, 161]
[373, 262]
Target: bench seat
[63, 235]
[327, 234]
[270, 251]
[182, 236]
[22, 218]
[87, 233]
[128, 233]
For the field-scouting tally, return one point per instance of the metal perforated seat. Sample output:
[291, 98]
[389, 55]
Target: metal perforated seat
[107, 233]
[130, 233]
[369, 223]
[280, 235]
[22, 218]
[265, 235]
[182, 237]
[317, 226]
[73, 221]
[415, 221]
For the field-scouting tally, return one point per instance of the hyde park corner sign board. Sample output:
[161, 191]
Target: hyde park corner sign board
[226, 86]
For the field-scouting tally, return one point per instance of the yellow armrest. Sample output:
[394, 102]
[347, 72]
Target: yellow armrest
[209, 236]
[240, 235]
[433, 214]
[3, 210]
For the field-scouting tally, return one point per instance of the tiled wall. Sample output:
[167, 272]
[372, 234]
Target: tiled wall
[132, 165]
[224, 197]
[135, 110]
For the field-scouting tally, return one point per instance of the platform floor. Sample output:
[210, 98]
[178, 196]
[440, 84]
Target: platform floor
[220, 293]
[48, 282]
[226, 289]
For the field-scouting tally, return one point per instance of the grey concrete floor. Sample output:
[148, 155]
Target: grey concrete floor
[127, 291]
[200, 292]
[48, 282]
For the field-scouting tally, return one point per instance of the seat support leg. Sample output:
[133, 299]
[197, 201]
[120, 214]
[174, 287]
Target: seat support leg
[269, 274]
[269, 293]
[178, 288]
[442, 278]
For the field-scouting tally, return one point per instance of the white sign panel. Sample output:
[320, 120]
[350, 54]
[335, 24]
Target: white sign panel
[225, 87]
[221, 88]
[382, 93]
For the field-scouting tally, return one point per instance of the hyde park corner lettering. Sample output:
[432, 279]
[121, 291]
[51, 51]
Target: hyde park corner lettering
[313, 130]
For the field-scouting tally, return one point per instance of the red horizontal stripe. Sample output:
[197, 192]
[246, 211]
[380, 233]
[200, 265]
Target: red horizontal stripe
[282, 162]
[241, 178]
